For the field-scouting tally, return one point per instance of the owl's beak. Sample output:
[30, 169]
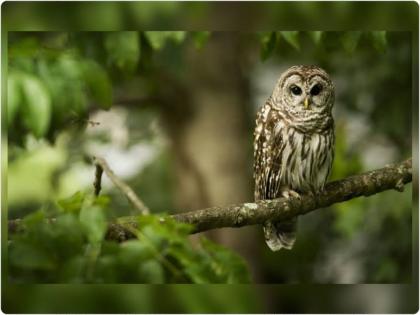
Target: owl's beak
[306, 103]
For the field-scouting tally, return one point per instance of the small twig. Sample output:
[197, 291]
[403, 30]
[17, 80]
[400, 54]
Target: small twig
[98, 178]
[102, 166]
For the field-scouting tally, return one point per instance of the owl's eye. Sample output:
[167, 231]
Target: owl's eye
[296, 90]
[316, 89]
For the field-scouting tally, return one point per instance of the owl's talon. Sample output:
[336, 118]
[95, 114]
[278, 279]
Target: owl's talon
[285, 194]
[312, 193]
[290, 193]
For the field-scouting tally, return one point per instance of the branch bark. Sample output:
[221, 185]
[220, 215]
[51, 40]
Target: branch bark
[393, 176]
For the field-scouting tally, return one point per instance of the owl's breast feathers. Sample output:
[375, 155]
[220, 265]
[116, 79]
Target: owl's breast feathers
[285, 156]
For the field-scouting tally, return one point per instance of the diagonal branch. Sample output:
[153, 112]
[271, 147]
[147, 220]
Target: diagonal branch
[102, 166]
[393, 176]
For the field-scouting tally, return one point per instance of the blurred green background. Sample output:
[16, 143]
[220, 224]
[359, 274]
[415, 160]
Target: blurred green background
[173, 114]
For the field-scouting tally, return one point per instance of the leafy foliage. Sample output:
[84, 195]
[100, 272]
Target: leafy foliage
[44, 67]
[37, 112]
[158, 39]
[69, 246]
[348, 41]
[123, 50]
[379, 40]
[40, 73]
[200, 38]
[268, 43]
[316, 36]
[292, 37]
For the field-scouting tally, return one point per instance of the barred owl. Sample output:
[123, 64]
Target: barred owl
[293, 143]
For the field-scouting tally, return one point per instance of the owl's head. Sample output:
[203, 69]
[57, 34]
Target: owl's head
[304, 90]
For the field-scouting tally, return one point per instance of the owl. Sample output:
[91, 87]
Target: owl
[293, 144]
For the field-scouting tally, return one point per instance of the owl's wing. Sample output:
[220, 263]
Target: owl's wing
[267, 153]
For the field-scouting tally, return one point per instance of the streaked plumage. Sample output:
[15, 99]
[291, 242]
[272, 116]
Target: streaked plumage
[293, 143]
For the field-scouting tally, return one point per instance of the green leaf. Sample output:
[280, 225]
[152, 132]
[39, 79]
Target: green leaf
[72, 270]
[67, 237]
[350, 40]
[27, 256]
[134, 250]
[14, 96]
[31, 175]
[102, 201]
[98, 82]
[24, 49]
[379, 40]
[316, 36]
[72, 203]
[152, 272]
[69, 80]
[200, 38]
[177, 36]
[226, 264]
[66, 85]
[158, 39]
[163, 229]
[268, 43]
[123, 49]
[37, 105]
[195, 265]
[34, 218]
[94, 222]
[292, 37]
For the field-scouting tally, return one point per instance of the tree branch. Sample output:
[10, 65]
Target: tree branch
[393, 176]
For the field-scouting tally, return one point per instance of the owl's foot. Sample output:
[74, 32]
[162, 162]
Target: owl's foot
[288, 193]
[312, 193]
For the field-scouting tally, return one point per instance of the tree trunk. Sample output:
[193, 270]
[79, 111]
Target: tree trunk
[212, 146]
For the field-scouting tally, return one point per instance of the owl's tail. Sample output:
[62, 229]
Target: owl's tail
[281, 234]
